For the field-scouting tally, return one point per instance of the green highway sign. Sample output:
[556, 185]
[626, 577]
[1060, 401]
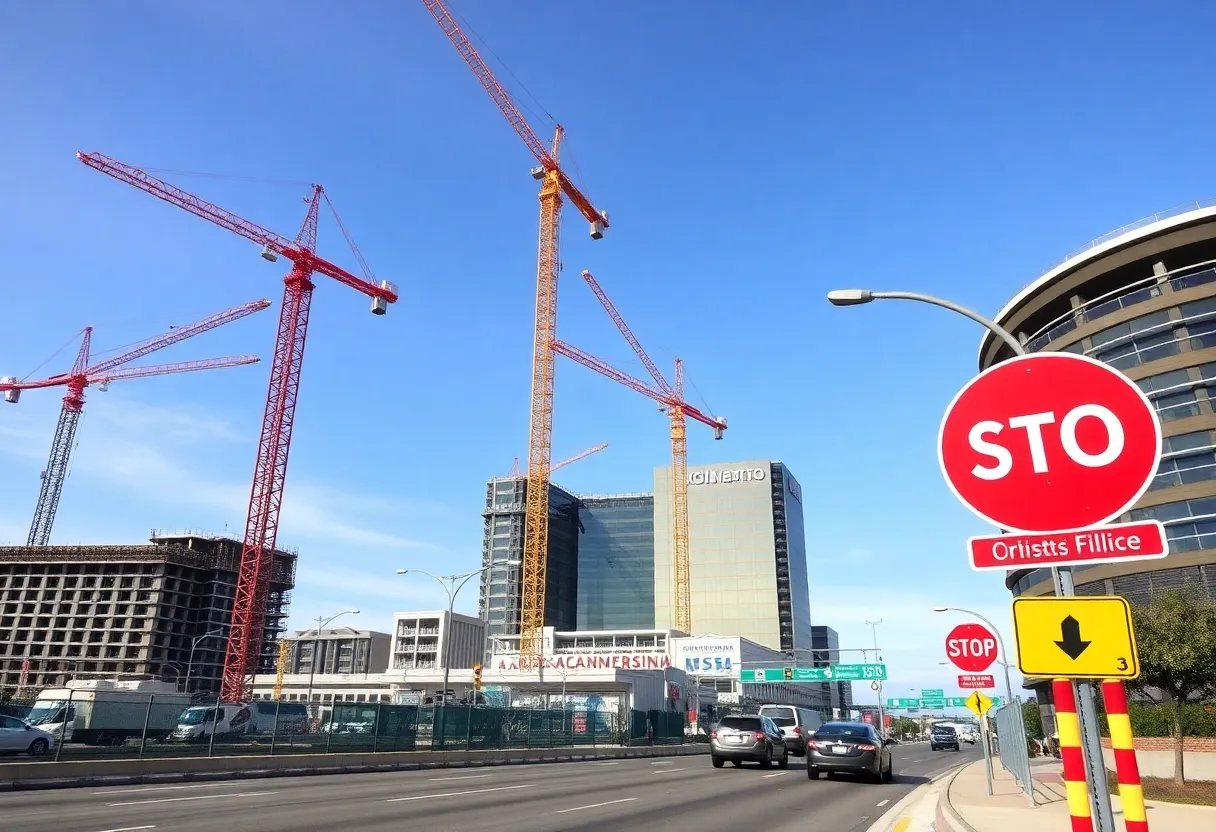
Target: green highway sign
[933, 703]
[832, 673]
[903, 703]
[932, 693]
[956, 702]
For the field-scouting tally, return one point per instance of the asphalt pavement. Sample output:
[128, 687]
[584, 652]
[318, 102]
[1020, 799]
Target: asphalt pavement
[674, 793]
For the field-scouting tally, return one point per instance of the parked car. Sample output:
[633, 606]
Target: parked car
[19, 737]
[748, 737]
[942, 737]
[852, 747]
[796, 725]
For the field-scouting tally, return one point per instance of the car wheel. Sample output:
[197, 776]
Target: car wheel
[812, 773]
[767, 762]
[39, 747]
[784, 762]
[889, 774]
[717, 761]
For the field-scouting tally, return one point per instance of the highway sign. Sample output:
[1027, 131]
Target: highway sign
[978, 704]
[933, 693]
[831, 673]
[1087, 637]
[933, 702]
[971, 680]
[971, 647]
[1049, 441]
[903, 703]
[1102, 544]
[854, 672]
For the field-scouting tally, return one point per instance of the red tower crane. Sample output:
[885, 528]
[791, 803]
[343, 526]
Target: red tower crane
[244, 645]
[102, 373]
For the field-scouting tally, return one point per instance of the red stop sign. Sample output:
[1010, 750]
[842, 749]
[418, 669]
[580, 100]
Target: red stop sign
[971, 647]
[1048, 442]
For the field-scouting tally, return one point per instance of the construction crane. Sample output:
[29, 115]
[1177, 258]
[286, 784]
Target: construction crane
[671, 401]
[102, 373]
[554, 183]
[280, 667]
[243, 651]
[580, 455]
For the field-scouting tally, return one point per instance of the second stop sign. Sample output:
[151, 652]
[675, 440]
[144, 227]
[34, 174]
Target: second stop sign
[1049, 442]
[971, 648]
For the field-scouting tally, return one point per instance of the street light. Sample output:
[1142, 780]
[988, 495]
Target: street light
[873, 625]
[1001, 641]
[316, 645]
[193, 644]
[452, 584]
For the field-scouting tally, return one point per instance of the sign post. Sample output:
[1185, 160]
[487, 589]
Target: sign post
[1053, 447]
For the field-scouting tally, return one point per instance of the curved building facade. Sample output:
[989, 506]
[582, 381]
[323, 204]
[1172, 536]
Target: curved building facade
[1143, 300]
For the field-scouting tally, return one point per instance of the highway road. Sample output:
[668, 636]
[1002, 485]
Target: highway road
[599, 796]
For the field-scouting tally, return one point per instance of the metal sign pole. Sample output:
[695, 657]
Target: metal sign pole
[986, 739]
[1087, 712]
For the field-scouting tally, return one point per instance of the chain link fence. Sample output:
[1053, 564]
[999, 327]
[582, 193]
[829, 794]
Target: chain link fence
[158, 725]
[1012, 744]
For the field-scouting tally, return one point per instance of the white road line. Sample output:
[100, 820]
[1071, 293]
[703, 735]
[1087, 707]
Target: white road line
[883, 802]
[169, 788]
[613, 763]
[128, 829]
[778, 774]
[670, 770]
[199, 797]
[459, 794]
[466, 777]
[661, 763]
[595, 805]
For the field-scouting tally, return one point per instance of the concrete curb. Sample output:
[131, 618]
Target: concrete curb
[888, 818]
[51, 775]
[947, 811]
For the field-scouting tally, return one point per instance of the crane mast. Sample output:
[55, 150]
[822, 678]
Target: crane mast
[554, 185]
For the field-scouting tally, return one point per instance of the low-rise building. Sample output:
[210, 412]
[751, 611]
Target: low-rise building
[339, 650]
[428, 640]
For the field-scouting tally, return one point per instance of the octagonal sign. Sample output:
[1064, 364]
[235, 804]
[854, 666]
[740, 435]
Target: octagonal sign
[1049, 441]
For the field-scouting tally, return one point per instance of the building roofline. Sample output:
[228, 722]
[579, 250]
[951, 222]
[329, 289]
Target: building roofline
[1098, 248]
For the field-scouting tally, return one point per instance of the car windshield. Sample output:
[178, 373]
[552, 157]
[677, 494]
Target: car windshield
[946, 731]
[741, 723]
[839, 731]
[196, 716]
[781, 716]
[46, 712]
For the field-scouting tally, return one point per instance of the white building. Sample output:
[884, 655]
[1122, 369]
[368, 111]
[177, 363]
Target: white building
[420, 640]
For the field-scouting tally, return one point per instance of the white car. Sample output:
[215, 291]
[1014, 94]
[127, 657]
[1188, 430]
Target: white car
[19, 737]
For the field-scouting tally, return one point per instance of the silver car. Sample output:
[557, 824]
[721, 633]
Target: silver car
[748, 737]
[19, 737]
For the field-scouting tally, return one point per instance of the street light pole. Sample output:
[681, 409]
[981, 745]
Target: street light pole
[193, 644]
[316, 644]
[1062, 577]
[452, 584]
[882, 720]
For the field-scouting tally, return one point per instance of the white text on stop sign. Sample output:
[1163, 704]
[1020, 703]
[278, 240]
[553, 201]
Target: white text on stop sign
[1033, 425]
[964, 647]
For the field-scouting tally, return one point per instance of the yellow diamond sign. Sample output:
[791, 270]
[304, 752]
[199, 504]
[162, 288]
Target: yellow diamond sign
[1087, 637]
[978, 704]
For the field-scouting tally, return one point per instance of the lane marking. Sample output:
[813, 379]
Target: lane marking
[613, 763]
[128, 829]
[168, 788]
[459, 794]
[883, 802]
[198, 797]
[466, 777]
[670, 770]
[778, 774]
[595, 805]
[661, 763]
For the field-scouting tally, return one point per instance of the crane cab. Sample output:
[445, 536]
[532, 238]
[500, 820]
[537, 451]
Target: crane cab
[11, 396]
[721, 426]
[379, 304]
[268, 254]
[538, 173]
[597, 227]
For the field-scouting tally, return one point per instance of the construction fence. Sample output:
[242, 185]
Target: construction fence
[159, 729]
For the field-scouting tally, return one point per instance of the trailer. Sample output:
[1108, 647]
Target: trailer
[108, 711]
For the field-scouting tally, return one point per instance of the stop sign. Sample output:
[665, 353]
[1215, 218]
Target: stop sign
[1048, 442]
[971, 647]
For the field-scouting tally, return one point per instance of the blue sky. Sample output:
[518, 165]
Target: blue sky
[750, 160]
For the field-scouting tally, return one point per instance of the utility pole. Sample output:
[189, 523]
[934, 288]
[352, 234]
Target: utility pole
[882, 719]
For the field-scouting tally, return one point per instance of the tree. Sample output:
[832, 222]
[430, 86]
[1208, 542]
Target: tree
[902, 725]
[1033, 718]
[1176, 634]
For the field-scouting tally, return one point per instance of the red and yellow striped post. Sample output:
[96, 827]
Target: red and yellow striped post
[1069, 727]
[1126, 769]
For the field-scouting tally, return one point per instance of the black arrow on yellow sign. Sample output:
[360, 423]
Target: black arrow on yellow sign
[1070, 638]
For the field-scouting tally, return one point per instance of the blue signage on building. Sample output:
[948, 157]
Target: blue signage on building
[707, 664]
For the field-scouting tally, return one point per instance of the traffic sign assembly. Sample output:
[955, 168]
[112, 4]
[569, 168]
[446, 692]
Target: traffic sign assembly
[978, 704]
[971, 647]
[1087, 637]
[1103, 544]
[1049, 441]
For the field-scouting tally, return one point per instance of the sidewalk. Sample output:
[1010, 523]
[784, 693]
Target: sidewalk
[967, 807]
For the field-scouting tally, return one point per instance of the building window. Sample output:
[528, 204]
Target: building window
[1200, 318]
[1186, 458]
[1189, 524]
[1137, 341]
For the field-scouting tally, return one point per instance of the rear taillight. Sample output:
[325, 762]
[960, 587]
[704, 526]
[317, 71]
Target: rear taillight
[713, 735]
[797, 732]
[812, 744]
[865, 747]
[759, 735]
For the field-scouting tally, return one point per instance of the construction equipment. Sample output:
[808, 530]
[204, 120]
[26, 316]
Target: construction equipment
[671, 401]
[514, 472]
[243, 651]
[280, 667]
[554, 183]
[101, 374]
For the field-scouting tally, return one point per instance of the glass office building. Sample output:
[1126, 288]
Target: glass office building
[616, 562]
[503, 551]
[747, 553]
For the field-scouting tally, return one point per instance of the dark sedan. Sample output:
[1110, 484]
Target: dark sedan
[851, 747]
